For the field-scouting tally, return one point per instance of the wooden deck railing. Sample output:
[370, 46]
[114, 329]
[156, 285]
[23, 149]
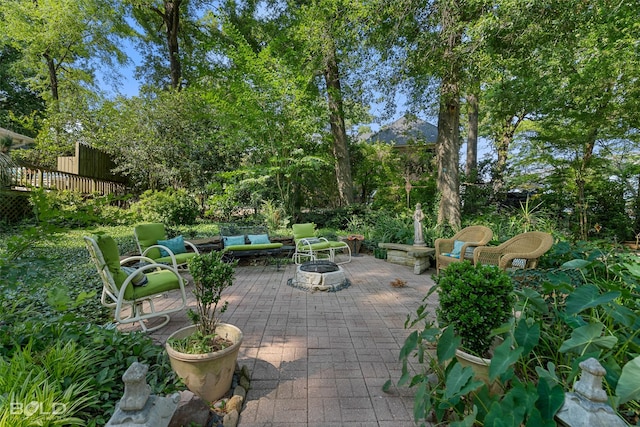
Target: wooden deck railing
[25, 178]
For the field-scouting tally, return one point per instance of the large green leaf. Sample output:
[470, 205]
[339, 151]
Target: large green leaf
[529, 297]
[633, 268]
[459, 382]
[503, 357]
[527, 334]
[588, 296]
[548, 374]
[468, 421]
[421, 402]
[500, 416]
[587, 339]
[550, 400]
[517, 402]
[409, 345]
[622, 315]
[535, 420]
[576, 263]
[629, 383]
[447, 345]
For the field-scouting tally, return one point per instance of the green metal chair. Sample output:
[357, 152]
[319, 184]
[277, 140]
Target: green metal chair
[309, 247]
[132, 290]
[152, 242]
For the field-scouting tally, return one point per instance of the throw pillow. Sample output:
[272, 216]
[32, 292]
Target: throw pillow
[457, 247]
[139, 279]
[175, 245]
[233, 240]
[258, 239]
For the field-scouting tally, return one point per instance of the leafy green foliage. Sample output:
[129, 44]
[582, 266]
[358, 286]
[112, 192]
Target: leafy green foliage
[211, 276]
[474, 300]
[171, 207]
[275, 215]
[586, 308]
[72, 209]
[107, 352]
[592, 315]
[47, 387]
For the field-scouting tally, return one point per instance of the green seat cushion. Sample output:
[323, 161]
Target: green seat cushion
[338, 244]
[159, 282]
[303, 230]
[257, 247]
[180, 258]
[111, 256]
[315, 246]
[148, 235]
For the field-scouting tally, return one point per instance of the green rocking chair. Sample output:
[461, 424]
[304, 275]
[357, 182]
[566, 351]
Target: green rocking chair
[152, 242]
[132, 290]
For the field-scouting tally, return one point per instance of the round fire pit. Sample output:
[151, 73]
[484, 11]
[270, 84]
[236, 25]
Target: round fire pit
[319, 276]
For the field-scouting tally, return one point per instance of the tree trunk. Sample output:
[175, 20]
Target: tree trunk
[503, 143]
[171, 19]
[582, 204]
[338, 131]
[448, 143]
[53, 76]
[448, 146]
[471, 165]
[501, 162]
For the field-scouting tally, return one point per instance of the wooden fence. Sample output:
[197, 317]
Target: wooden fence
[89, 162]
[24, 178]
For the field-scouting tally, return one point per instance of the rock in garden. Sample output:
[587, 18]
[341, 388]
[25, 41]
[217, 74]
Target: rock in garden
[231, 419]
[191, 409]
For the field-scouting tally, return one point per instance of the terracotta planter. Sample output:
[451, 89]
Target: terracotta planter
[208, 375]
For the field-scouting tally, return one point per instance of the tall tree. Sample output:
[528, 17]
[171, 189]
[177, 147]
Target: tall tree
[267, 104]
[471, 163]
[425, 46]
[171, 40]
[60, 40]
[328, 32]
[21, 109]
[590, 87]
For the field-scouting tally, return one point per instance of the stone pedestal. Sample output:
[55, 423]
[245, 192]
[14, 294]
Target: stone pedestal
[587, 404]
[418, 257]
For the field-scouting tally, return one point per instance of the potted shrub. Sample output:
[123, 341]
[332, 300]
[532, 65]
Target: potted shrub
[474, 300]
[204, 354]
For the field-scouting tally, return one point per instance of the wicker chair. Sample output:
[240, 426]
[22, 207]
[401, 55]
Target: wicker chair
[468, 239]
[522, 251]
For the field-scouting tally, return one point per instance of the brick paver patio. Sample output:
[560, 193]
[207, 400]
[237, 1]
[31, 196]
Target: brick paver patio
[318, 358]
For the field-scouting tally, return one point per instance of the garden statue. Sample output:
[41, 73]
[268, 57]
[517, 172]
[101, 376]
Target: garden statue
[418, 216]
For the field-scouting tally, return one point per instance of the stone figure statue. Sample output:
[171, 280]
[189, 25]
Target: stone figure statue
[418, 216]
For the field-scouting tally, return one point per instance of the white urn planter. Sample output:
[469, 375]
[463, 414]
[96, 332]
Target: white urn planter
[480, 366]
[207, 375]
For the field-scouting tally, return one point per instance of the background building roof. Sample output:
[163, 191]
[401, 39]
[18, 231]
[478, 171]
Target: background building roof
[404, 131]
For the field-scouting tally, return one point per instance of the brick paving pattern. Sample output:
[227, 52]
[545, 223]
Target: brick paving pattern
[319, 359]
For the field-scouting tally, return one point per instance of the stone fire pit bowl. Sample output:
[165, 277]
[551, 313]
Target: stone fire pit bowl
[319, 276]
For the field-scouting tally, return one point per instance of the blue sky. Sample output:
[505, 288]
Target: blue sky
[128, 86]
